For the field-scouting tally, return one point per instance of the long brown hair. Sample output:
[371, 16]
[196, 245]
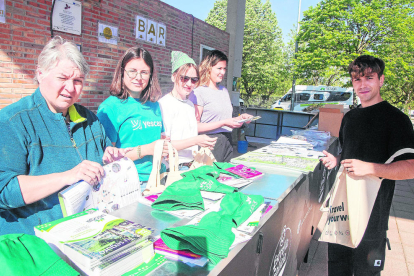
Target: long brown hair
[152, 92]
[209, 62]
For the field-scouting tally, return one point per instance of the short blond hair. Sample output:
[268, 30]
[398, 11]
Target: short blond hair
[58, 49]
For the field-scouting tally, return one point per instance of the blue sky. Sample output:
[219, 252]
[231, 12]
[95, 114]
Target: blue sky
[286, 10]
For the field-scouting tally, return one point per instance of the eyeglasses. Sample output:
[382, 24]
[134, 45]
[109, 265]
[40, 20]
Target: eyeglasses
[133, 74]
[185, 79]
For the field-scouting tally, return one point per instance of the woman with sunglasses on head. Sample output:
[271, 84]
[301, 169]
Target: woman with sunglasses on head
[131, 116]
[213, 106]
[178, 113]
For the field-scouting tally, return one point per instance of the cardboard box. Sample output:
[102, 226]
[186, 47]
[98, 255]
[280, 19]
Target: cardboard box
[336, 106]
[330, 119]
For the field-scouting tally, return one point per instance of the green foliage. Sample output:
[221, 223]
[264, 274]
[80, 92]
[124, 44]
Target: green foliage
[218, 15]
[265, 73]
[398, 87]
[335, 32]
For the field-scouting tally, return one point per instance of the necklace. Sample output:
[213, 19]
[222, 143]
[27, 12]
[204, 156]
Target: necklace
[178, 98]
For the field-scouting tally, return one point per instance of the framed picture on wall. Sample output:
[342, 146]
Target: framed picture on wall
[67, 16]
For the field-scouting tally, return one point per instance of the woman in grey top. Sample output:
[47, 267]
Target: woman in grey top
[213, 106]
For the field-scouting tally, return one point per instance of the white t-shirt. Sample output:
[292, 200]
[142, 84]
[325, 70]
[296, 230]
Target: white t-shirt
[179, 122]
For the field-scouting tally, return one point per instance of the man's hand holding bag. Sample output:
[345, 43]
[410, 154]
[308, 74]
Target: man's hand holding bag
[351, 200]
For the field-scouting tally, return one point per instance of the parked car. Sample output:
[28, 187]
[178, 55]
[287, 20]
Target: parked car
[306, 95]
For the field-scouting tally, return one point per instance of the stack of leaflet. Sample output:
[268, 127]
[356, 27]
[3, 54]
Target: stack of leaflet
[245, 172]
[317, 138]
[96, 243]
[233, 181]
[286, 152]
[287, 146]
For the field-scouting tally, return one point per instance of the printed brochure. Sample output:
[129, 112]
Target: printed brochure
[97, 242]
[119, 187]
[245, 172]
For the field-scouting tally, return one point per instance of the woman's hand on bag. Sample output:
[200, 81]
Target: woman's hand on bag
[150, 148]
[206, 142]
[329, 161]
[233, 122]
[88, 171]
[357, 167]
[112, 154]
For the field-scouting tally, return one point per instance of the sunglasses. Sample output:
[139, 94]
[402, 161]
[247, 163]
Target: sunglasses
[185, 79]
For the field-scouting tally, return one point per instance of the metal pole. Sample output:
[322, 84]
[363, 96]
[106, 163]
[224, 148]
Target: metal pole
[292, 101]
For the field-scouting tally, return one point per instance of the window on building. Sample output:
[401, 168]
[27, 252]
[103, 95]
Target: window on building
[204, 51]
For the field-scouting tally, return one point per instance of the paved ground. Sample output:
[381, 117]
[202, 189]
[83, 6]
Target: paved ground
[400, 259]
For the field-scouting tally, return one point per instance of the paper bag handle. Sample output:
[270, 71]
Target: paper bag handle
[323, 207]
[155, 177]
[173, 158]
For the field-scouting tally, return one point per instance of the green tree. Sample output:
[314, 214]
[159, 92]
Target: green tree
[264, 73]
[335, 32]
[398, 87]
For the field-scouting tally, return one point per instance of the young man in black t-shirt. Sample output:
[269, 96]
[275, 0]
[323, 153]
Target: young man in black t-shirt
[369, 135]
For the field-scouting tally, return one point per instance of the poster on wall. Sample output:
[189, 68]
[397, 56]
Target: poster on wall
[140, 28]
[2, 11]
[107, 33]
[67, 16]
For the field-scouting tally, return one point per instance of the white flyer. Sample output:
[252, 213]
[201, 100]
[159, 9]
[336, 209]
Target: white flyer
[118, 188]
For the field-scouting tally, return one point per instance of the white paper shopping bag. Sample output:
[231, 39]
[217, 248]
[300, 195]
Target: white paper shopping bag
[351, 200]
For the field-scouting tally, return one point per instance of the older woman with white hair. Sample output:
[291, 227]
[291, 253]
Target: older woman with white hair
[49, 142]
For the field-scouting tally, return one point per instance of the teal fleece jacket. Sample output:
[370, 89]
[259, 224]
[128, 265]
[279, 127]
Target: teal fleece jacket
[36, 141]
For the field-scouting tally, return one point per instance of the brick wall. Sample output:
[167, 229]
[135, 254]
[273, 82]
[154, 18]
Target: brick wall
[27, 29]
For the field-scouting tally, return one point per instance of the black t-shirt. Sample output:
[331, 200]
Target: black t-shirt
[373, 134]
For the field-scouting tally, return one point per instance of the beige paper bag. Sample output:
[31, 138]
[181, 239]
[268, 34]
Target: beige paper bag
[351, 200]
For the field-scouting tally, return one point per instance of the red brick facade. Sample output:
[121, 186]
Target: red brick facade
[27, 29]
